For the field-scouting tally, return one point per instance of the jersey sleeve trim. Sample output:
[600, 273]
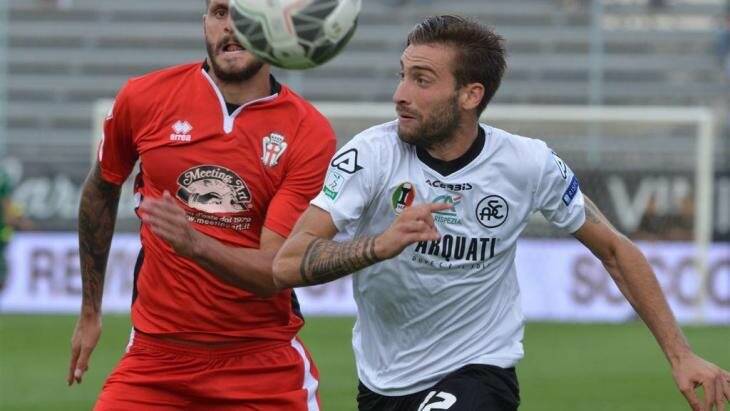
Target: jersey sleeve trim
[576, 223]
[323, 204]
[277, 227]
[111, 177]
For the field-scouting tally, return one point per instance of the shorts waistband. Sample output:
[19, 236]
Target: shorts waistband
[140, 339]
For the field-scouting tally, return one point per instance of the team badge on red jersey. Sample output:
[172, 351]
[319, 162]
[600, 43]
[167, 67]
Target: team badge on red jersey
[274, 147]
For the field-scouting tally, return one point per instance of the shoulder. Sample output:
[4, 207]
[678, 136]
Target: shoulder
[310, 124]
[375, 150]
[149, 88]
[382, 137]
[166, 74]
[522, 150]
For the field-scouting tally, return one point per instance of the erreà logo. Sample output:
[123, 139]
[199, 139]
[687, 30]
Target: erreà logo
[181, 131]
[213, 189]
[403, 197]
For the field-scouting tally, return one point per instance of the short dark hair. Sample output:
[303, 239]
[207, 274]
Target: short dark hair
[480, 53]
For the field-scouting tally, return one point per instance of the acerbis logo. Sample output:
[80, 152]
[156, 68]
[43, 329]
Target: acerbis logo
[437, 401]
[492, 211]
[561, 165]
[449, 186]
[347, 162]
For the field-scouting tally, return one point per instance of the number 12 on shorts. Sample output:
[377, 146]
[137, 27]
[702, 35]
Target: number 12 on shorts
[447, 400]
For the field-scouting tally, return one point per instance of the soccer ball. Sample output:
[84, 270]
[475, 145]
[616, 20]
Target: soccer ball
[294, 34]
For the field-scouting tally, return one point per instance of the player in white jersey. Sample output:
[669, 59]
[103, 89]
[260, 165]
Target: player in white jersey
[425, 212]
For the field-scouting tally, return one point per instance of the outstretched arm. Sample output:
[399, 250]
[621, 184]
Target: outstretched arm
[635, 278]
[245, 268]
[310, 257]
[97, 216]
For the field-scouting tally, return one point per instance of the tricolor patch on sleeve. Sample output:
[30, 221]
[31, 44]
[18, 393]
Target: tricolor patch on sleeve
[571, 191]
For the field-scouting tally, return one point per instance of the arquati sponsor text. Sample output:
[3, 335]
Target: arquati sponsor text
[457, 251]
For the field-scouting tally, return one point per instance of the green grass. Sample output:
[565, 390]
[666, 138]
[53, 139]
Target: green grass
[567, 367]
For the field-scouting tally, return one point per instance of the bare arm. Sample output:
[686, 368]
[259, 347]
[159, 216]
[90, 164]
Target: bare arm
[635, 278]
[97, 216]
[245, 268]
[310, 256]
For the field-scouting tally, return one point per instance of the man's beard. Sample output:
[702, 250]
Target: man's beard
[436, 130]
[232, 76]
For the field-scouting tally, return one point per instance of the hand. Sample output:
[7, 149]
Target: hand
[414, 224]
[169, 222]
[84, 340]
[692, 371]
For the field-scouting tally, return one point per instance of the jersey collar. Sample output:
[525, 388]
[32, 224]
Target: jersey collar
[230, 117]
[446, 168]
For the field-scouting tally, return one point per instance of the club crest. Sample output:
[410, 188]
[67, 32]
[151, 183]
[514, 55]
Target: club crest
[274, 146]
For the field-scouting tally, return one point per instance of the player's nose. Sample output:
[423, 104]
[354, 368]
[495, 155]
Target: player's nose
[228, 27]
[400, 95]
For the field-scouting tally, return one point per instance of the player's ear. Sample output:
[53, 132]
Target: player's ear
[470, 95]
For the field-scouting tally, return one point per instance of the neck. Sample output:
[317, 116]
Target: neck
[242, 92]
[459, 142]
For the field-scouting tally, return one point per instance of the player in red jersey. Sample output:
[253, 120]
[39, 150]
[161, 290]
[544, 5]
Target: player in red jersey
[229, 158]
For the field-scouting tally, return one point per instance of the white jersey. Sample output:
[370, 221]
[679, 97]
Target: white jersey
[443, 304]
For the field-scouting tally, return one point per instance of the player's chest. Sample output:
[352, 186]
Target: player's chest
[191, 150]
[484, 202]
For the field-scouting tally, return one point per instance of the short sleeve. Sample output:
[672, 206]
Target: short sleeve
[559, 198]
[305, 174]
[117, 152]
[348, 187]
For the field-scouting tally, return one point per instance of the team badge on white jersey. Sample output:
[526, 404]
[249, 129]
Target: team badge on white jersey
[274, 147]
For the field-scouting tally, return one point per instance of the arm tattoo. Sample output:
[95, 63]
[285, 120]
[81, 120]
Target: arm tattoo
[592, 213]
[326, 260]
[595, 216]
[97, 216]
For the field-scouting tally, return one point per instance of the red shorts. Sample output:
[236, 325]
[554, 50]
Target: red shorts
[156, 374]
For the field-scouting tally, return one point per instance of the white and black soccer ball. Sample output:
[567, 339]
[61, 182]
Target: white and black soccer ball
[295, 34]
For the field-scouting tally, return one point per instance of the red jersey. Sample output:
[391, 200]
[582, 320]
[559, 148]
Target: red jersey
[233, 174]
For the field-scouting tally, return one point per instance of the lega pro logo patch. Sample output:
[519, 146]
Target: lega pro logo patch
[333, 184]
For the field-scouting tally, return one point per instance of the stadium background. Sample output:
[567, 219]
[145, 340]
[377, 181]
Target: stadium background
[59, 58]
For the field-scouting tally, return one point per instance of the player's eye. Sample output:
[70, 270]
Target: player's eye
[220, 12]
[401, 75]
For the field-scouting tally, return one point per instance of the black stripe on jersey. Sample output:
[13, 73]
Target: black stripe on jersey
[295, 305]
[449, 167]
[137, 268]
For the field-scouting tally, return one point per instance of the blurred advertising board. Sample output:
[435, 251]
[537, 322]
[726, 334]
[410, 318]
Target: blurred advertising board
[644, 204]
[560, 280]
